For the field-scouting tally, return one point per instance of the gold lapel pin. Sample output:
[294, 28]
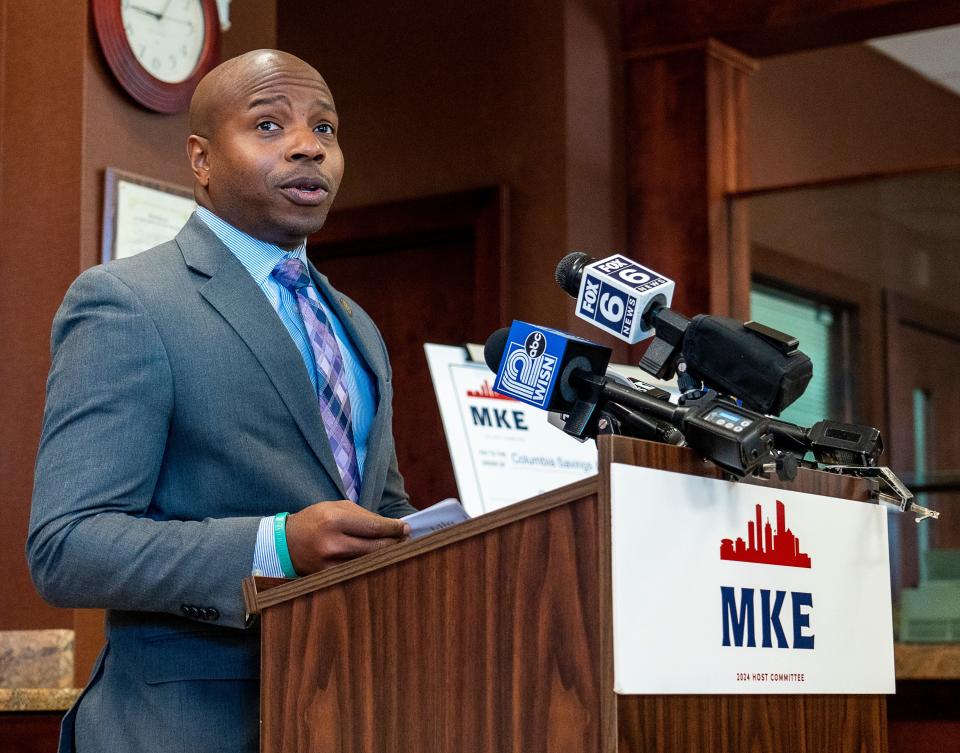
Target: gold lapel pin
[346, 306]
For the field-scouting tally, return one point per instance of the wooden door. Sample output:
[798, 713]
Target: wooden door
[426, 270]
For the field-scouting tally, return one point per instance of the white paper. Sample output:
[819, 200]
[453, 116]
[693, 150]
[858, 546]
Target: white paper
[442, 515]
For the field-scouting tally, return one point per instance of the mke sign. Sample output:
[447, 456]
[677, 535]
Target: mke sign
[714, 592]
[782, 548]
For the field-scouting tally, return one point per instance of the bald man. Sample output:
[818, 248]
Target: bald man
[215, 408]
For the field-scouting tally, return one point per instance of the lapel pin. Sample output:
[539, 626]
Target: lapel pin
[346, 306]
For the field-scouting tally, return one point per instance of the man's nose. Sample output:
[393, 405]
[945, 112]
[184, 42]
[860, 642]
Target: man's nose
[304, 144]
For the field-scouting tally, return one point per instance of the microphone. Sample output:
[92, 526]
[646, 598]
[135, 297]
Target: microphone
[556, 371]
[615, 294]
[535, 364]
[614, 418]
[755, 363]
[563, 373]
[497, 342]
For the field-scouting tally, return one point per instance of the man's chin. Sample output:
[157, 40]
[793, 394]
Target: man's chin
[295, 229]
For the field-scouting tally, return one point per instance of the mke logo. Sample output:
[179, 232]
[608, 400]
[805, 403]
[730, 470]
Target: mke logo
[499, 418]
[772, 548]
[486, 392]
[738, 605]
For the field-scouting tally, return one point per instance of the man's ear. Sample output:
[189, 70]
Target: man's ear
[198, 152]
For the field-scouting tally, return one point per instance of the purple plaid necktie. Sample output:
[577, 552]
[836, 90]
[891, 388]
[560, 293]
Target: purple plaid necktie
[332, 389]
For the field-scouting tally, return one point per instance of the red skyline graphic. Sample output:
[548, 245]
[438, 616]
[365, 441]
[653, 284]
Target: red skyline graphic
[485, 391]
[780, 548]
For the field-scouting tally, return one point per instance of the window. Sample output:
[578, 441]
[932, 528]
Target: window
[823, 332]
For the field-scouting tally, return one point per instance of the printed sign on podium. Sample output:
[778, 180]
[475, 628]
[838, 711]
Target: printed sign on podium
[502, 450]
[723, 587]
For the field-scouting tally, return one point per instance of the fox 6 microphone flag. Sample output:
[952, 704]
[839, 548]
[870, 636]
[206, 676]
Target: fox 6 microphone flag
[616, 292]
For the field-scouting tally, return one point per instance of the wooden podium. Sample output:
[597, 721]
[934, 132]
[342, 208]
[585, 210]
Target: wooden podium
[496, 636]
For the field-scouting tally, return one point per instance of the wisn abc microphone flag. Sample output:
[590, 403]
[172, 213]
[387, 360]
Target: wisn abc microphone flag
[616, 292]
[537, 364]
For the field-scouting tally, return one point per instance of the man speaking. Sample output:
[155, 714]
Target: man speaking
[214, 408]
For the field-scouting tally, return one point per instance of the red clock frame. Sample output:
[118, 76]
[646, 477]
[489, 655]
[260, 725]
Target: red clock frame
[144, 88]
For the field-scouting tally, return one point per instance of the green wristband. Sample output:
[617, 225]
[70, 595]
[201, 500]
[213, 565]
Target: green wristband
[280, 539]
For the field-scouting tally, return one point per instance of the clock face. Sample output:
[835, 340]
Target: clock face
[166, 36]
[158, 49]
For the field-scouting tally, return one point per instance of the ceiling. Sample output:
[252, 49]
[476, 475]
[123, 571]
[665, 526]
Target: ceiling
[934, 54]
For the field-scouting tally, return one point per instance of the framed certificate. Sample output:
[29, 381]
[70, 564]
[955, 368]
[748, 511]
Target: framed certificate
[139, 213]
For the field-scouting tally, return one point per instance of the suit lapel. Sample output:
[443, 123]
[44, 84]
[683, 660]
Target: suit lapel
[237, 298]
[367, 342]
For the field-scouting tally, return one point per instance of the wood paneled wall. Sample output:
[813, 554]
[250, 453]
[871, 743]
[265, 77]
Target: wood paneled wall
[461, 94]
[685, 122]
[63, 120]
[41, 197]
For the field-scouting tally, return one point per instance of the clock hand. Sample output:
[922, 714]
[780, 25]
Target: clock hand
[165, 9]
[153, 13]
[180, 21]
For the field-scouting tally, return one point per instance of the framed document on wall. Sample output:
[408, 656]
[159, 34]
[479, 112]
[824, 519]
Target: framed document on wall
[139, 213]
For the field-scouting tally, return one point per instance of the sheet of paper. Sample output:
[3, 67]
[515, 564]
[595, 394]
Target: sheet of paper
[442, 515]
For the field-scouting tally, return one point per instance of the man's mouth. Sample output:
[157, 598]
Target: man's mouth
[306, 191]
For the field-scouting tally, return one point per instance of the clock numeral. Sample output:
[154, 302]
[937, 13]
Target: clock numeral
[183, 50]
[156, 64]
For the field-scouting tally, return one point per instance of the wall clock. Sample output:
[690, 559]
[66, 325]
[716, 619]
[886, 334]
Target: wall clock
[158, 49]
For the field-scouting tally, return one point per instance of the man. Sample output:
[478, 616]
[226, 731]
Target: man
[198, 393]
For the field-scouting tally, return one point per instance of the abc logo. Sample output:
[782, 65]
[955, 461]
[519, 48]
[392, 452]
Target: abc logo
[534, 344]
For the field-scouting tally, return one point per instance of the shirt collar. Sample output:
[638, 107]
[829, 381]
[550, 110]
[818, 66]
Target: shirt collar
[258, 257]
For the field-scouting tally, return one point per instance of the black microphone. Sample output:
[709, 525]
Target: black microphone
[615, 294]
[736, 439]
[525, 356]
[757, 364]
[497, 343]
[556, 371]
[494, 347]
[535, 364]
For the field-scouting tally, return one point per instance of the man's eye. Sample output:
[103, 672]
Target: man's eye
[267, 125]
[326, 128]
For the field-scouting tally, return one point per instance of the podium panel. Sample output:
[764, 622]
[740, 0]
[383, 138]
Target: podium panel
[489, 643]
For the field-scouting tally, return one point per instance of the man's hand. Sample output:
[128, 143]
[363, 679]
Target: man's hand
[329, 533]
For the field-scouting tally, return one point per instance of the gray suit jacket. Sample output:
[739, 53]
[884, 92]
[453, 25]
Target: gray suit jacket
[179, 412]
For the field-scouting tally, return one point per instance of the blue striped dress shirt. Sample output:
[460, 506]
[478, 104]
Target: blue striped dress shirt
[259, 259]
